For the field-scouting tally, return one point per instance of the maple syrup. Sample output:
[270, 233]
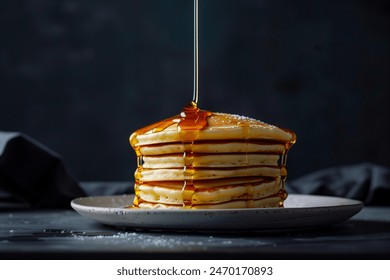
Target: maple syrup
[189, 122]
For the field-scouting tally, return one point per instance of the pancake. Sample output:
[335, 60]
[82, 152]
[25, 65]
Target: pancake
[210, 160]
[217, 147]
[221, 126]
[205, 160]
[153, 193]
[269, 202]
[176, 174]
[214, 183]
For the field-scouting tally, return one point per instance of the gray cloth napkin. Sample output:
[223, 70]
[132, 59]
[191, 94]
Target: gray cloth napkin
[367, 182]
[32, 175]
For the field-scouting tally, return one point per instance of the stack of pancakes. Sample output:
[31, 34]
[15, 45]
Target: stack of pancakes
[230, 162]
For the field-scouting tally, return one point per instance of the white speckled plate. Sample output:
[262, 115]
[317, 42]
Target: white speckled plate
[300, 212]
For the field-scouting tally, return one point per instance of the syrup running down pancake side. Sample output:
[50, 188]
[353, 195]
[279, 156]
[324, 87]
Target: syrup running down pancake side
[204, 160]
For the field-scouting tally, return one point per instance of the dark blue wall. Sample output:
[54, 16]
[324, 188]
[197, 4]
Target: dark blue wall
[80, 76]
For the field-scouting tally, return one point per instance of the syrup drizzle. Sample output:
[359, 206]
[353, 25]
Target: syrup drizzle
[189, 122]
[193, 120]
[196, 54]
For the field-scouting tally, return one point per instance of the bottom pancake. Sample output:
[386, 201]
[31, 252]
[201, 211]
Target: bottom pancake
[268, 202]
[248, 194]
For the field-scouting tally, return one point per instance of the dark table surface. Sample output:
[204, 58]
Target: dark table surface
[64, 234]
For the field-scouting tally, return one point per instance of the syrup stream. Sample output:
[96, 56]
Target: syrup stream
[196, 54]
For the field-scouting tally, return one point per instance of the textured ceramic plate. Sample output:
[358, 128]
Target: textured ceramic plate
[300, 212]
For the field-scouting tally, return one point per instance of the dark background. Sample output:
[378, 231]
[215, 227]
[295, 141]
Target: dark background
[80, 76]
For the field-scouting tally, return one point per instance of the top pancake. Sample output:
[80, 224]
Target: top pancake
[221, 126]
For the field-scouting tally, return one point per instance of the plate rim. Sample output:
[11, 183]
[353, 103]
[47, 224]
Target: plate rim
[220, 220]
[349, 203]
